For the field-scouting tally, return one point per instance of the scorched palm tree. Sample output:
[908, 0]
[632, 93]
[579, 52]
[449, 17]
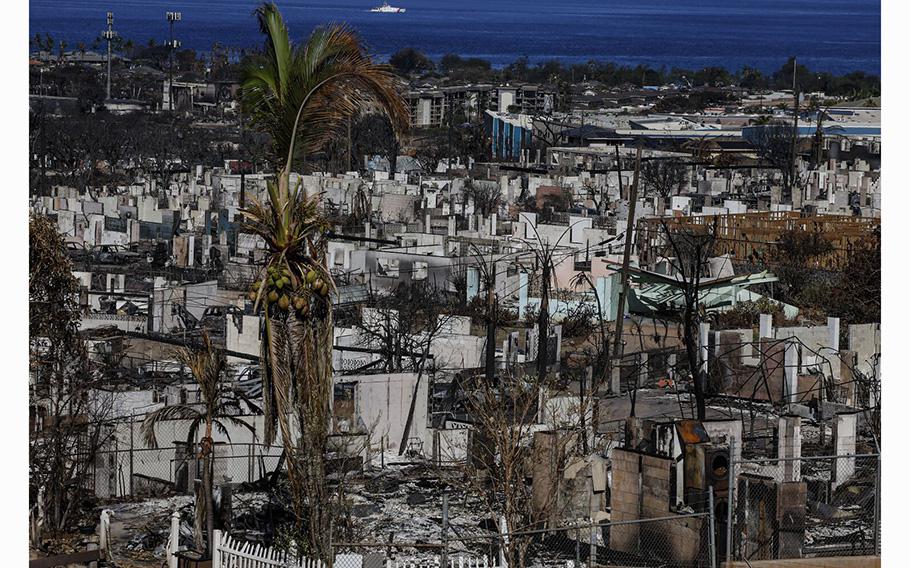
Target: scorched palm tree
[301, 96]
[207, 365]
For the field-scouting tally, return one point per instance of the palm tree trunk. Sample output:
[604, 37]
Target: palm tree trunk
[543, 319]
[209, 501]
[207, 474]
[199, 508]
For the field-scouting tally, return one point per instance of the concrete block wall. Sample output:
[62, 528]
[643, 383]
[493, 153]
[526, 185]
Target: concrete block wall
[789, 446]
[624, 500]
[844, 434]
[641, 490]
[655, 486]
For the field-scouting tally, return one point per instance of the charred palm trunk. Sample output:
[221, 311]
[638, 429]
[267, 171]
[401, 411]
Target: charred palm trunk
[543, 321]
[207, 488]
[315, 402]
[490, 362]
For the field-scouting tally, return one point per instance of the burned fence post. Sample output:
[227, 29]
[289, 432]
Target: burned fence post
[876, 528]
[712, 550]
[445, 530]
[132, 418]
[731, 501]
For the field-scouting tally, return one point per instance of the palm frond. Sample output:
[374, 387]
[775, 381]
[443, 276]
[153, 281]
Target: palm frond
[220, 421]
[312, 89]
[173, 412]
[207, 365]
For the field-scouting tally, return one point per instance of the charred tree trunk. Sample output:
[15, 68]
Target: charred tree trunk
[543, 320]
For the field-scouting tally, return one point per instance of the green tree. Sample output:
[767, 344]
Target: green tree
[408, 61]
[301, 95]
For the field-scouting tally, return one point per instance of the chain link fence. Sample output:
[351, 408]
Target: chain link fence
[683, 541]
[795, 507]
[807, 506]
[141, 472]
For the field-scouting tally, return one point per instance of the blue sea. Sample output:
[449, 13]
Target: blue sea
[831, 35]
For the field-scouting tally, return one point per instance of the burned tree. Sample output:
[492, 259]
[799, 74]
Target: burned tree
[796, 260]
[403, 328]
[485, 195]
[663, 177]
[207, 365]
[402, 325]
[773, 143]
[66, 414]
[504, 454]
[600, 339]
[542, 252]
[689, 248]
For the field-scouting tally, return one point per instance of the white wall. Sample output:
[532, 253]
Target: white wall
[382, 402]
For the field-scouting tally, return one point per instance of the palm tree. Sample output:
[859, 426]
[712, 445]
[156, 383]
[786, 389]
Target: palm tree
[207, 365]
[301, 96]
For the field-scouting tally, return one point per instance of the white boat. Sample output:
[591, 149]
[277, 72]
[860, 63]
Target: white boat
[386, 9]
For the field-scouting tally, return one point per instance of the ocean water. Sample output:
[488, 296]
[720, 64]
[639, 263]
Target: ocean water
[833, 35]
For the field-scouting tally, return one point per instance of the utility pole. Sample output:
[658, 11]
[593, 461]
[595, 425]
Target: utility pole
[491, 324]
[109, 34]
[795, 130]
[618, 169]
[627, 251]
[451, 112]
[172, 45]
[242, 168]
[582, 130]
[43, 144]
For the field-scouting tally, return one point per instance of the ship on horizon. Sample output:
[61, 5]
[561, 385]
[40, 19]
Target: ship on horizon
[386, 9]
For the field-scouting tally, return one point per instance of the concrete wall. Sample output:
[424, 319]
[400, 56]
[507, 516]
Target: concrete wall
[641, 490]
[439, 269]
[382, 402]
[865, 341]
[200, 296]
[244, 340]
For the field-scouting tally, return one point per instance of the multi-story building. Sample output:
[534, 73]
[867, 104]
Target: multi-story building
[525, 99]
[430, 105]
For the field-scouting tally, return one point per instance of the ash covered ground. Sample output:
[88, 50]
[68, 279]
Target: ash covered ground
[401, 503]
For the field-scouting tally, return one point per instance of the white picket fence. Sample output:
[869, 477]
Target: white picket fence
[454, 562]
[228, 552]
[232, 553]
